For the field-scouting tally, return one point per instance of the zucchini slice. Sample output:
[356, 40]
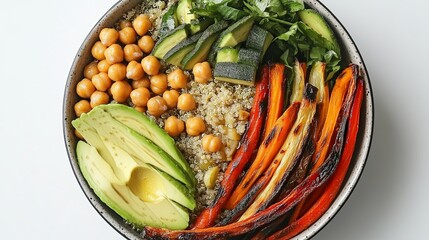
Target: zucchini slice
[178, 52]
[202, 48]
[237, 73]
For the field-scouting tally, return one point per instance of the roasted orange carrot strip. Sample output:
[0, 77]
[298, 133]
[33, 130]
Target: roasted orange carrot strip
[266, 153]
[276, 97]
[335, 182]
[248, 144]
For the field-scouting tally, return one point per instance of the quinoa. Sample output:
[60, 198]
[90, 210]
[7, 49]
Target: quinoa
[220, 104]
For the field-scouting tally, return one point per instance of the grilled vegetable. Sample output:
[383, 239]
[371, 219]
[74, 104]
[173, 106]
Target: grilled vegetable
[267, 151]
[317, 79]
[276, 96]
[298, 83]
[276, 210]
[248, 144]
[288, 155]
[341, 97]
[335, 183]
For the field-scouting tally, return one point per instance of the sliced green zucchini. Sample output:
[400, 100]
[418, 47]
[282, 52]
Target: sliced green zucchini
[202, 48]
[237, 73]
[259, 39]
[249, 56]
[199, 25]
[233, 35]
[170, 40]
[227, 55]
[178, 52]
[183, 12]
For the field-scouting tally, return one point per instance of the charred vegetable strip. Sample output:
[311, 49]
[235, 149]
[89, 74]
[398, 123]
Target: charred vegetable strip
[334, 184]
[248, 144]
[276, 96]
[298, 82]
[266, 153]
[317, 79]
[268, 215]
[341, 98]
[288, 155]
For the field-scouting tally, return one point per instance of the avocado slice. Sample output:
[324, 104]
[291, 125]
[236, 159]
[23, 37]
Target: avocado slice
[147, 207]
[135, 144]
[315, 21]
[147, 128]
[123, 165]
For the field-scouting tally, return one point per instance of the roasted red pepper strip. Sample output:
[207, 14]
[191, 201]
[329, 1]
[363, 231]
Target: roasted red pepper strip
[270, 214]
[243, 155]
[335, 183]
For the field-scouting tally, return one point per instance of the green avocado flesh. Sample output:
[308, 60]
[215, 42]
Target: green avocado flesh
[138, 181]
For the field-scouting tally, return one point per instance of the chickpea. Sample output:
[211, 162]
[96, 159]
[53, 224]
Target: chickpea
[125, 23]
[146, 43]
[174, 126]
[103, 66]
[151, 65]
[140, 96]
[97, 50]
[144, 82]
[127, 35]
[156, 106]
[186, 102]
[142, 24]
[195, 126]
[90, 70]
[83, 106]
[132, 52]
[108, 36]
[117, 72]
[202, 72]
[120, 90]
[211, 143]
[158, 83]
[114, 54]
[98, 98]
[177, 79]
[140, 109]
[85, 88]
[171, 97]
[134, 71]
[101, 81]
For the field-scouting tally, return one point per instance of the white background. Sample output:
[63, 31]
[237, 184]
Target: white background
[40, 198]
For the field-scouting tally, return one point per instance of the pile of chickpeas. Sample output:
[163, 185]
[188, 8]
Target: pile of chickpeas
[124, 71]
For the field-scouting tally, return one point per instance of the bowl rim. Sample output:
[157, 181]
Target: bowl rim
[348, 186]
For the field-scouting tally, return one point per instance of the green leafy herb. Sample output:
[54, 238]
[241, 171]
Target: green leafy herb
[292, 36]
